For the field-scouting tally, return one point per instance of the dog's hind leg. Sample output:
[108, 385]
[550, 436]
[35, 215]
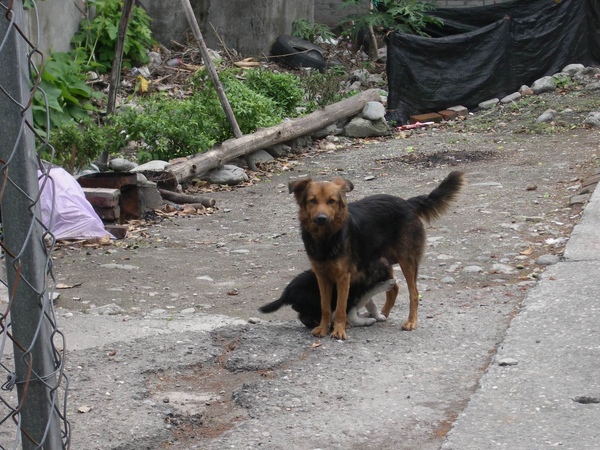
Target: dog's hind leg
[357, 320]
[410, 269]
[390, 296]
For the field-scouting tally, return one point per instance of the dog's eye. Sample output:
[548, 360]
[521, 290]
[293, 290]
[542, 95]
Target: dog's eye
[312, 201]
[331, 201]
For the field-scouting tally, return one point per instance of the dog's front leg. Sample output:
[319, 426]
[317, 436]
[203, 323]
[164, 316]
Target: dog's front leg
[339, 324]
[325, 291]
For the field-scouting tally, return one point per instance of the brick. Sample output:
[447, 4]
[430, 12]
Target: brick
[110, 214]
[118, 231]
[460, 110]
[429, 117]
[102, 197]
[448, 114]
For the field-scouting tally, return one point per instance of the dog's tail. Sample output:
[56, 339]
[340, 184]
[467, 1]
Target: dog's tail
[274, 306]
[432, 206]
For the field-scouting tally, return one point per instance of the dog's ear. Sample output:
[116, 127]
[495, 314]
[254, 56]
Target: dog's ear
[298, 187]
[346, 185]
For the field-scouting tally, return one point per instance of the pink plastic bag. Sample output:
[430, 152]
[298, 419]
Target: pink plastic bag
[73, 217]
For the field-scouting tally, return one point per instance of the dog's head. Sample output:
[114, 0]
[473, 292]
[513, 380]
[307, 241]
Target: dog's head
[322, 203]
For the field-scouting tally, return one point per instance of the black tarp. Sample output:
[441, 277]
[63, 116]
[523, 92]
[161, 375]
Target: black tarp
[487, 52]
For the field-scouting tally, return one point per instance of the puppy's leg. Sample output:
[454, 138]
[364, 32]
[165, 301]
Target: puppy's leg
[339, 324]
[410, 269]
[325, 290]
[390, 296]
[367, 301]
[358, 320]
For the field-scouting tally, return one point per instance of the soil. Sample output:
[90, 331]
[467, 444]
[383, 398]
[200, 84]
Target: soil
[188, 361]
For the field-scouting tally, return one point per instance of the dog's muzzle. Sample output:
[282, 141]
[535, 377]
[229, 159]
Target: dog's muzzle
[321, 219]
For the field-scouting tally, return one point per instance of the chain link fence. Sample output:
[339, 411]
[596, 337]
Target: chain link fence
[33, 382]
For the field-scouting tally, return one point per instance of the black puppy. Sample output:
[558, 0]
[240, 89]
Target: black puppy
[302, 294]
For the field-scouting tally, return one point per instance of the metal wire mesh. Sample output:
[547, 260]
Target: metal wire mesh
[33, 395]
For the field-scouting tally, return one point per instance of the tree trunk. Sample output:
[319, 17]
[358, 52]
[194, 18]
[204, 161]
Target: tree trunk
[178, 198]
[249, 143]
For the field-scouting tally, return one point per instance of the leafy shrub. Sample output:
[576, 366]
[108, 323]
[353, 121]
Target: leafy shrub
[285, 89]
[406, 16]
[76, 145]
[66, 93]
[97, 36]
[311, 31]
[322, 89]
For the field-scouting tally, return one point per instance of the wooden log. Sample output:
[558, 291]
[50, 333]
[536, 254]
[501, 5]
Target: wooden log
[286, 131]
[178, 198]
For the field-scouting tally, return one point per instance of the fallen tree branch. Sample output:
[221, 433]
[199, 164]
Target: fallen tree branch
[249, 143]
[180, 199]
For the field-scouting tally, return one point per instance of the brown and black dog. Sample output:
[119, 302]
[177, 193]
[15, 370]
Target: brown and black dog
[342, 238]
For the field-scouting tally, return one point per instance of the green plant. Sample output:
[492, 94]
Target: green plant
[563, 82]
[406, 16]
[97, 36]
[285, 89]
[311, 31]
[74, 145]
[65, 93]
[322, 89]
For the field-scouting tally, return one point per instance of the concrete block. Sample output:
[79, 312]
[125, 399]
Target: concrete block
[429, 117]
[460, 110]
[102, 197]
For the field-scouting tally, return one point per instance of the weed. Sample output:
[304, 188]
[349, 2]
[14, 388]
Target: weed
[322, 88]
[311, 31]
[285, 89]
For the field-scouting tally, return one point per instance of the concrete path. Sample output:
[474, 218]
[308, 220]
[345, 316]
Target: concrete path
[542, 390]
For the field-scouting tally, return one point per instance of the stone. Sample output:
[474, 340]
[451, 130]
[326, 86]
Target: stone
[579, 199]
[152, 166]
[373, 111]
[547, 260]
[228, 175]
[525, 90]
[503, 268]
[102, 197]
[261, 157]
[507, 362]
[544, 84]
[359, 127]
[279, 150]
[546, 116]
[324, 132]
[593, 86]
[489, 104]
[593, 119]
[121, 165]
[472, 269]
[187, 311]
[572, 69]
[107, 310]
[511, 98]
[448, 280]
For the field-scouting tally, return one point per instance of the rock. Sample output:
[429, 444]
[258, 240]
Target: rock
[261, 157]
[593, 119]
[323, 132]
[228, 175]
[279, 150]
[121, 165]
[572, 69]
[107, 310]
[579, 199]
[187, 311]
[254, 320]
[547, 260]
[503, 268]
[472, 269]
[489, 104]
[460, 110]
[507, 362]
[511, 98]
[546, 116]
[373, 111]
[359, 127]
[593, 86]
[525, 90]
[544, 84]
[152, 166]
[448, 280]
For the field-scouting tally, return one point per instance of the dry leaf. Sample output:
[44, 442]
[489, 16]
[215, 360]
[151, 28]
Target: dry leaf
[529, 251]
[111, 353]
[316, 344]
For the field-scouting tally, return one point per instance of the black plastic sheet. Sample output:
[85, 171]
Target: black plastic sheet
[487, 52]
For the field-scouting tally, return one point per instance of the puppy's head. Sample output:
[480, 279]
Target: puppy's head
[321, 203]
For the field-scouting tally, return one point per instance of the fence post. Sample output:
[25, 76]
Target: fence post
[26, 259]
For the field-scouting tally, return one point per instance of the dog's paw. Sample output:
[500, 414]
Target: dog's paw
[339, 332]
[364, 315]
[320, 331]
[380, 317]
[361, 321]
[409, 326]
